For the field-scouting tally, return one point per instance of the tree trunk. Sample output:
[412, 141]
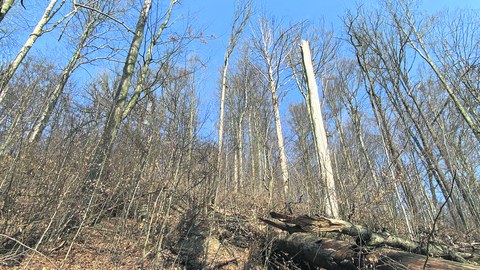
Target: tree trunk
[116, 113]
[318, 252]
[243, 15]
[4, 8]
[358, 130]
[319, 133]
[281, 144]
[42, 121]
[36, 33]
[340, 252]
[252, 154]
[335, 255]
[220, 123]
[422, 50]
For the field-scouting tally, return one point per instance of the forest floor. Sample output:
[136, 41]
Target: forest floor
[215, 240]
[203, 238]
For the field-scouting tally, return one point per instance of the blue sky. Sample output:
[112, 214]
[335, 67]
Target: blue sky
[214, 17]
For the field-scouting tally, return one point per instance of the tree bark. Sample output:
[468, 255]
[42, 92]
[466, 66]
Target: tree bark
[335, 254]
[278, 128]
[36, 33]
[236, 31]
[422, 50]
[319, 252]
[319, 133]
[365, 236]
[116, 113]
[42, 121]
[5, 7]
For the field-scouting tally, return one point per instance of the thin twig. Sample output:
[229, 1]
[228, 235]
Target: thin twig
[106, 15]
[30, 248]
[437, 217]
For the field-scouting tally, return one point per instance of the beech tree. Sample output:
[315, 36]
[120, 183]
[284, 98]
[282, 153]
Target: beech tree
[452, 54]
[415, 36]
[272, 46]
[385, 54]
[5, 6]
[114, 117]
[321, 145]
[94, 18]
[50, 11]
[241, 17]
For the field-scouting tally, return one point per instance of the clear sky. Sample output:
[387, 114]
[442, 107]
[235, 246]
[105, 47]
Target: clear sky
[215, 16]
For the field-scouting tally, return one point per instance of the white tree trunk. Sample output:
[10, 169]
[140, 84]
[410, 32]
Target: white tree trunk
[118, 109]
[36, 33]
[241, 17]
[4, 8]
[278, 127]
[42, 121]
[220, 122]
[319, 133]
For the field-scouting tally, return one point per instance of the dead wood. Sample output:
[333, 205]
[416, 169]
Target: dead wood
[396, 259]
[334, 254]
[365, 236]
[319, 252]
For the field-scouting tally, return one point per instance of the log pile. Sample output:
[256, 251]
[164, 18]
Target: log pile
[377, 250]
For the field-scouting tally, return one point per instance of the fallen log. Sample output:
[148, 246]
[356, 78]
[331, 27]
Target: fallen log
[319, 252]
[340, 255]
[396, 259]
[335, 254]
[365, 236]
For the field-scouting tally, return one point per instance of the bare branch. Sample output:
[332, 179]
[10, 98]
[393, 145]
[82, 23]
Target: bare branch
[106, 15]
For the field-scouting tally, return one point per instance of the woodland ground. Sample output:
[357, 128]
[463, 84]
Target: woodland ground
[203, 238]
[120, 170]
[227, 237]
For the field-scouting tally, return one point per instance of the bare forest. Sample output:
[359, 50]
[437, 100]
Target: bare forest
[320, 148]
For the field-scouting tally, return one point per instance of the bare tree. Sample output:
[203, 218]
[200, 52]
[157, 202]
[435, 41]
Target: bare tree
[272, 44]
[51, 10]
[422, 118]
[241, 17]
[93, 21]
[115, 116]
[358, 27]
[405, 22]
[304, 164]
[33, 81]
[321, 145]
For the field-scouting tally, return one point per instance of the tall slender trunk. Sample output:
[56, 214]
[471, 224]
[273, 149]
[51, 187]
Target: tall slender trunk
[191, 130]
[5, 7]
[422, 50]
[319, 132]
[116, 113]
[252, 154]
[389, 152]
[235, 33]
[36, 33]
[471, 205]
[221, 121]
[239, 154]
[43, 119]
[426, 151]
[280, 142]
[357, 124]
